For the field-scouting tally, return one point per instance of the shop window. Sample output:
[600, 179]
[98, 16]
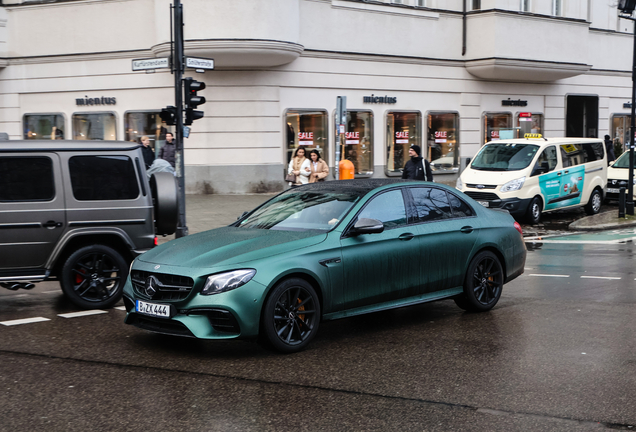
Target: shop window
[307, 128]
[443, 142]
[43, 126]
[529, 123]
[525, 6]
[358, 147]
[557, 7]
[94, 126]
[476, 4]
[147, 123]
[498, 125]
[621, 124]
[403, 131]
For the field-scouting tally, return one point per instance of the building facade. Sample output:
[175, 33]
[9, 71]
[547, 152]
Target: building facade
[448, 75]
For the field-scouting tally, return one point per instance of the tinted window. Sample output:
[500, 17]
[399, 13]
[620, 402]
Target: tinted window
[26, 179]
[460, 208]
[576, 154]
[99, 178]
[388, 208]
[430, 204]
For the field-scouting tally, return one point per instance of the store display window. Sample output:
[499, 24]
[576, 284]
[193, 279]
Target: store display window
[358, 145]
[443, 142]
[403, 130]
[529, 123]
[146, 123]
[621, 124]
[94, 126]
[307, 129]
[498, 125]
[43, 126]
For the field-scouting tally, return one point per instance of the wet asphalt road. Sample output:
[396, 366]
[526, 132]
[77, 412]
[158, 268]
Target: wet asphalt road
[558, 353]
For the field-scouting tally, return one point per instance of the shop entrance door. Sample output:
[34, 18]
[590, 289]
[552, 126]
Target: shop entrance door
[581, 117]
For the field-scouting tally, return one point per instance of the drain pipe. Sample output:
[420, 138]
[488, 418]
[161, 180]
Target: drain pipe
[464, 30]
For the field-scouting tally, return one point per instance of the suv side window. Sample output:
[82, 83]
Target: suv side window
[387, 207]
[26, 179]
[430, 204]
[101, 178]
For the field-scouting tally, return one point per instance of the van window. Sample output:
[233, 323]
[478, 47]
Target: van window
[504, 157]
[576, 154]
[546, 162]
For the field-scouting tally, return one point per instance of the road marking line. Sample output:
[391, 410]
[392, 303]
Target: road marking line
[82, 313]
[24, 321]
[600, 277]
[550, 275]
[120, 308]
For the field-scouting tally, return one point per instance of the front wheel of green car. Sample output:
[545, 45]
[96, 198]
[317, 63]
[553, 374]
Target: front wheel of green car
[291, 316]
[483, 283]
[94, 276]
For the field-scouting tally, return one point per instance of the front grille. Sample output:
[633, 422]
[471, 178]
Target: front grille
[474, 186]
[220, 319]
[482, 196]
[617, 183]
[166, 286]
[158, 325]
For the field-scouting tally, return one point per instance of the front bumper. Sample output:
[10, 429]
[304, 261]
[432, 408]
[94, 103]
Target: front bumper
[517, 207]
[233, 314]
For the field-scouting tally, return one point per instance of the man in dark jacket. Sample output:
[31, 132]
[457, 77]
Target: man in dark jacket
[167, 152]
[417, 168]
[609, 149]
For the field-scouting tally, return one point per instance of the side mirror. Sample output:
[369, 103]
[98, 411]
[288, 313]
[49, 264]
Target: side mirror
[612, 163]
[367, 226]
[242, 215]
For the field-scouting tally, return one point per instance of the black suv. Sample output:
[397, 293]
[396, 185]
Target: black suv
[79, 212]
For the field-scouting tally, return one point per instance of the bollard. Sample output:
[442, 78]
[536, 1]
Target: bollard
[347, 170]
[621, 202]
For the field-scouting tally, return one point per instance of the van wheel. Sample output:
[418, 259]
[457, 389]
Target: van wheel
[94, 276]
[593, 206]
[533, 215]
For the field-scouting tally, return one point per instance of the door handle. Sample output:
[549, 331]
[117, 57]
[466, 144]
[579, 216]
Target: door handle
[52, 224]
[406, 236]
[467, 229]
[566, 172]
[559, 173]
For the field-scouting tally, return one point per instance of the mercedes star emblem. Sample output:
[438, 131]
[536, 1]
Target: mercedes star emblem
[150, 286]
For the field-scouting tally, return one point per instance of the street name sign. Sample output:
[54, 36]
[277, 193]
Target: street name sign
[151, 63]
[199, 63]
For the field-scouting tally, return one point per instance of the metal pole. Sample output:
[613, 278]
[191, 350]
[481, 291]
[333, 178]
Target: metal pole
[177, 61]
[630, 182]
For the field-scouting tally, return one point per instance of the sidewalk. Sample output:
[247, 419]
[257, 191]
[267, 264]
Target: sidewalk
[603, 221]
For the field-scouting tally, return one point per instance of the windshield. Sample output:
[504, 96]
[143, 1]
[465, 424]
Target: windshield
[622, 161]
[504, 157]
[301, 211]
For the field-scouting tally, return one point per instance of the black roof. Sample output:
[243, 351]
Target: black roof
[357, 187]
[65, 145]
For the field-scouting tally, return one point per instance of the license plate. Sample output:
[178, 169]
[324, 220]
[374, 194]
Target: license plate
[153, 309]
[613, 190]
[484, 203]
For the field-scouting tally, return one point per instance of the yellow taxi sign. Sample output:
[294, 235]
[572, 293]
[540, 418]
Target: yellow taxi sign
[569, 148]
[533, 135]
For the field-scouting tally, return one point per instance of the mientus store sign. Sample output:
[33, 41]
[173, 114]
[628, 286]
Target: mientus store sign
[86, 101]
[379, 99]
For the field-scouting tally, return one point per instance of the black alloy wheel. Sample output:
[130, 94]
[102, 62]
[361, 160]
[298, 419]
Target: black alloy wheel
[94, 277]
[483, 283]
[291, 316]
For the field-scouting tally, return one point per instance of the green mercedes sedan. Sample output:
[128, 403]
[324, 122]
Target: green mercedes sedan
[325, 251]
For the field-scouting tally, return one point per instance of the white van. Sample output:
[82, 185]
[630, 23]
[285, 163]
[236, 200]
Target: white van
[529, 176]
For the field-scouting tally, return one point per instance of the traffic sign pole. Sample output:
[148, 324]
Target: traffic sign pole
[177, 62]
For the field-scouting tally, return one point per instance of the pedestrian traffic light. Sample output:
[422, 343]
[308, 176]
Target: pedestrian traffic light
[627, 6]
[192, 100]
[169, 115]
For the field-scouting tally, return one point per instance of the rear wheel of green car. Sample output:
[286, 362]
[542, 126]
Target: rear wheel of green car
[291, 316]
[483, 283]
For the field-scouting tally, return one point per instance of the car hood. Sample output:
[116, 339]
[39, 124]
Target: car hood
[498, 178]
[618, 173]
[229, 245]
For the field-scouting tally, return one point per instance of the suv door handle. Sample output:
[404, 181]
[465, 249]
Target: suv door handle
[406, 236]
[52, 224]
[467, 229]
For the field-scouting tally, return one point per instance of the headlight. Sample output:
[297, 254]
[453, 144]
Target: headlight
[513, 185]
[227, 281]
[459, 185]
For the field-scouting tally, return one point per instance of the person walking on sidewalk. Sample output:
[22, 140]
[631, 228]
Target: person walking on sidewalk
[168, 150]
[319, 168]
[417, 168]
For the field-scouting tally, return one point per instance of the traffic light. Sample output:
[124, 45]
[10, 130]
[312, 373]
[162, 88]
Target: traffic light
[627, 6]
[169, 115]
[192, 100]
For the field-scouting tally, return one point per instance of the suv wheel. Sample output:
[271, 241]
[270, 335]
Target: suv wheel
[94, 276]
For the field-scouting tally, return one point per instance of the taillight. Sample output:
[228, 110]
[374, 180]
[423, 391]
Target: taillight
[518, 228]
[157, 241]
